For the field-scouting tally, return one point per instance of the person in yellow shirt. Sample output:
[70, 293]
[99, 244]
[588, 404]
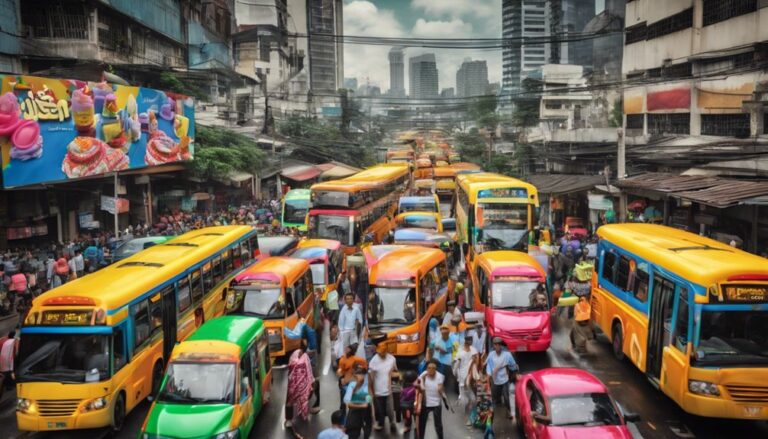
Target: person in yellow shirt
[581, 331]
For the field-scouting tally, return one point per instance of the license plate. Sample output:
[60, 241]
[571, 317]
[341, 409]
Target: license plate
[522, 348]
[751, 411]
[55, 425]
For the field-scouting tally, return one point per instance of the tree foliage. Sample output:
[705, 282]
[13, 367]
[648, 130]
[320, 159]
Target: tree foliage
[220, 152]
[471, 146]
[322, 141]
[483, 112]
[170, 82]
[617, 114]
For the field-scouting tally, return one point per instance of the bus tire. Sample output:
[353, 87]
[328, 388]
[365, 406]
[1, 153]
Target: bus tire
[157, 378]
[617, 341]
[118, 413]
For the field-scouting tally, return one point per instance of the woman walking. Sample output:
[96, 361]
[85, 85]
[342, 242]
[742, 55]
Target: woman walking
[300, 384]
[431, 386]
[358, 400]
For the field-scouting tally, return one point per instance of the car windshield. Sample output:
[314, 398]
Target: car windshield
[586, 410]
[337, 227]
[732, 338]
[419, 221]
[199, 383]
[518, 295]
[266, 303]
[295, 211]
[318, 273]
[74, 358]
[398, 305]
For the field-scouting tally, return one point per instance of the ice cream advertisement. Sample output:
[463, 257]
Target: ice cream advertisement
[61, 129]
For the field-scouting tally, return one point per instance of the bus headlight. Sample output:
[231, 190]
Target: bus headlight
[703, 388]
[23, 405]
[232, 434]
[407, 338]
[95, 404]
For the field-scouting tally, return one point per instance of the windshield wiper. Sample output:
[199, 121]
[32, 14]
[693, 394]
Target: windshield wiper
[512, 307]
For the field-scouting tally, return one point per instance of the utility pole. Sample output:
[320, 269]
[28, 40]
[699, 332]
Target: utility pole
[621, 172]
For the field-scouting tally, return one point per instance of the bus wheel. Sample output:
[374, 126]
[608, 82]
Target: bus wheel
[617, 342]
[157, 378]
[118, 413]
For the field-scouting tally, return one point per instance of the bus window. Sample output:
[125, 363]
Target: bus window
[622, 274]
[246, 384]
[264, 352]
[680, 334]
[155, 315]
[197, 286]
[639, 285]
[218, 273]
[245, 254]
[207, 278]
[226, 261]
[609, 264]
[182, 288]
[255, 366]
[118, 348]
[141, 326]
[483, 284]
[253, 245]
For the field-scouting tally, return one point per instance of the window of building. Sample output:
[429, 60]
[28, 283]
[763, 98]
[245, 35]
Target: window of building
[726, 63]
[732, 125]
[682, 70]
[634, 121]
[553, 105]
[673, 23]
[636, 33]
[669, 123]
[716, 11]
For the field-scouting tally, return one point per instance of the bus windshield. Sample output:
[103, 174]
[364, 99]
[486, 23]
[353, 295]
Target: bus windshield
[517, 295]
[333, 227]
[504, 225]
[266, 303]
[398, 304]
[419, 221]
[418, 206]
[69, 358]
[733, 337]
[199, 383]
[295, 211]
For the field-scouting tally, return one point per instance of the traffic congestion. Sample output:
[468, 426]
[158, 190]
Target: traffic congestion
[421, 297]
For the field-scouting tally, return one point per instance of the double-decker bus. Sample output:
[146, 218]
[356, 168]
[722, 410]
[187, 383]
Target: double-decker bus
[93, 348]
[350, 209]
[294, 210]
[494, 212]
[688, 311]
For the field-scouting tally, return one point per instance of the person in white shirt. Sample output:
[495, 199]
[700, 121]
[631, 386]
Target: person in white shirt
[79, 263]
[450, 312]
[350, 321]
[380, 368]
[430, 384]
[461, 365]
[478, 338]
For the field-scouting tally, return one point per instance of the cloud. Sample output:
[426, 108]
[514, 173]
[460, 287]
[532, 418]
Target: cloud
[458, 8]
[441, 29]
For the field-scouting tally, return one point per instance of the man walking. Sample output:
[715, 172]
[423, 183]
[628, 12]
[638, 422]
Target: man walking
[444, 348]
[350, 321]
[381, 368]
[497, 365]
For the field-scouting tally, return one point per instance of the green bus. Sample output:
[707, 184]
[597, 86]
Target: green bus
[296, 204]
[216, 383]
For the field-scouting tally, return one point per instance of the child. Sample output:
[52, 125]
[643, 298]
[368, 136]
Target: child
[408, 400]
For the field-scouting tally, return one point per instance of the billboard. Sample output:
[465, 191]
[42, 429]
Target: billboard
[60, 129]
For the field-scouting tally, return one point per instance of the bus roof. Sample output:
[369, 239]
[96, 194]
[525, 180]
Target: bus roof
[703, 261]
[238, 330]
[330, 244]
[298, 194]
[510, 263]
[283, 267]
[404, 263]
[417, 200]
[367, 178]
[116, 285]
[474, 183]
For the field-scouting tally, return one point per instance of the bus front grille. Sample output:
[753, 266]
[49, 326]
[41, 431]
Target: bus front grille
[750, 394]
[57, 407]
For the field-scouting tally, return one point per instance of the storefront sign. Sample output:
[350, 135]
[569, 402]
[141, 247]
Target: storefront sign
[60, 129]
[86, 221]
[108, 204]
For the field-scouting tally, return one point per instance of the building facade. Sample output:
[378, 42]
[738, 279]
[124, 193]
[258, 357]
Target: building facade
[326, 52]
[472, 79]
[423, 76]
[567, 20]
[523, 20]
[397, 72]
[448, 93]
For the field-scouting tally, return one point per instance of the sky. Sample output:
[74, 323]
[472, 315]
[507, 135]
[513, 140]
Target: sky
[419, 19]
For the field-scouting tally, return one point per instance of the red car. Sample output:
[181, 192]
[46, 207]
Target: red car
[568, 403]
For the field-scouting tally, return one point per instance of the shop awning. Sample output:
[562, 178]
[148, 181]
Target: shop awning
[337, 170]
[707, 190]
[561, 184]
[300, 173]
[239, 177]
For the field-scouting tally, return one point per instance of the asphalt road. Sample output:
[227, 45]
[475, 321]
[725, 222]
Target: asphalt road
[660, 418]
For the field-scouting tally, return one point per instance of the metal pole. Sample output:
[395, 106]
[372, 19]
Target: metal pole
[117, 231]
[621, 165]
[149, 201]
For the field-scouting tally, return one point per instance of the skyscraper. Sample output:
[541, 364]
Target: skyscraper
[472, 79]
[326, 53]
[522, 19]
[396, 72]
[566, 18]
[423, 76]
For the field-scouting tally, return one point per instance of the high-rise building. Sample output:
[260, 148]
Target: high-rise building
[423, 76]
[522, 19]
[396, 72]
[472, 79]
[447, 93]
[326, 53]
[567, 19]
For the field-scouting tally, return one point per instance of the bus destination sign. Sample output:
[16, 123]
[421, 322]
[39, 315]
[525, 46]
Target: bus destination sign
[507, 192]
[67, 317]
[746, 293]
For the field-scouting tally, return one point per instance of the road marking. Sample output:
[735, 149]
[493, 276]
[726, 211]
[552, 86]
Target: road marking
[632, 427]
[682, 431]
[650, 424]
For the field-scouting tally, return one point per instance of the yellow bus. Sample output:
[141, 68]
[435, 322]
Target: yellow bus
[493, 212]
[92, 349]
[349, 209]
[690, 312]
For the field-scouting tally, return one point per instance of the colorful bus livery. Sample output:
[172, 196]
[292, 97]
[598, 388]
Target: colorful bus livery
[690, 312]
[93, 348]
[295, 207]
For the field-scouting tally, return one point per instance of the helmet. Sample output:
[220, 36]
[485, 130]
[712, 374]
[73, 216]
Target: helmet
[459, 286]
[445, 245]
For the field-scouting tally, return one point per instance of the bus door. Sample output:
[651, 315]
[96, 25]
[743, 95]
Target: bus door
[303, 297]
[660, 323]
[169, 321]
[256, 380]
[265, 367]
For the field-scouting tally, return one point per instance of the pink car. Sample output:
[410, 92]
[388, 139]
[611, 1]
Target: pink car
[568, 403]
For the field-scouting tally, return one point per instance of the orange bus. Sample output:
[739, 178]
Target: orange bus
[279, 291]
[359, 206]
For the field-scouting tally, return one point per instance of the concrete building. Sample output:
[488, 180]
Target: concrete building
[560, 108]
[326, 53]
[10, 46]
[607, 50]
[567, 19]
[472, 79]
[397, 72]
[447, 93]
[523, 19]
[423, 76]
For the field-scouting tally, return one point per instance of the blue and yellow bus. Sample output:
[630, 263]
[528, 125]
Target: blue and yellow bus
[296, 204]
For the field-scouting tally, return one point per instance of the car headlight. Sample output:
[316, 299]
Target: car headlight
[703, 388]
[23, 405]
[407, 338]
[95, 404]
[232, 434]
